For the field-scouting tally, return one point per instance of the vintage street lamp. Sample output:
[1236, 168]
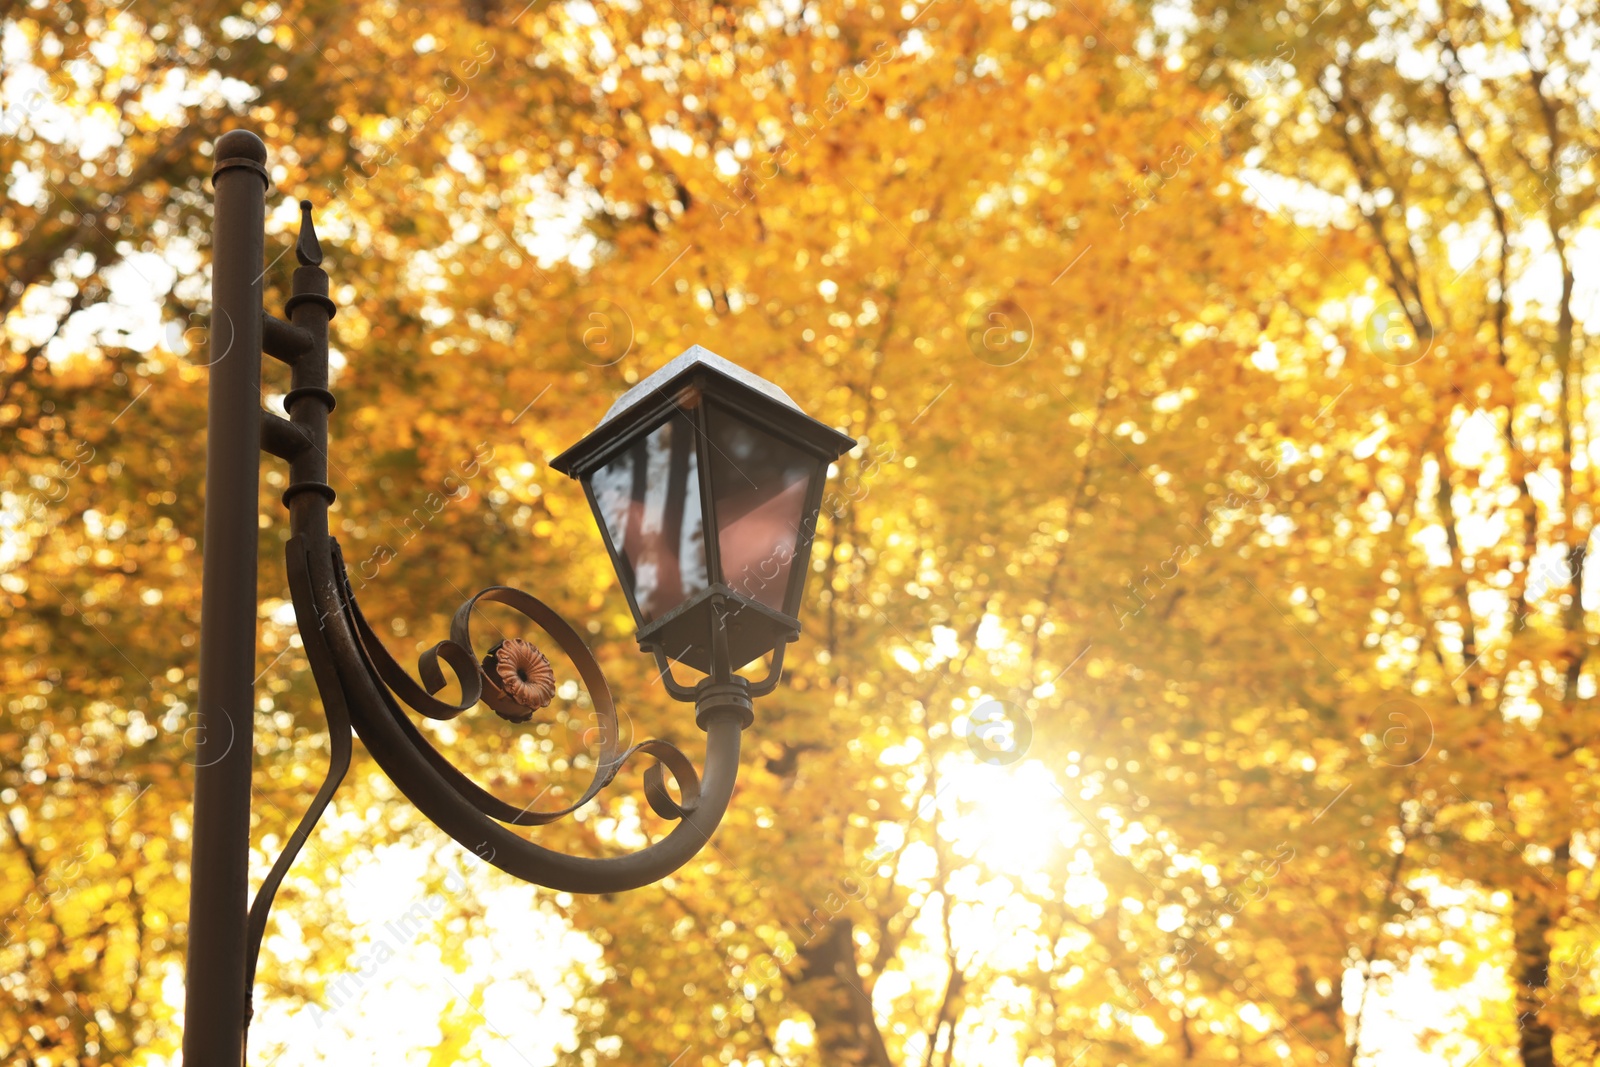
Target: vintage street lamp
[706, 482]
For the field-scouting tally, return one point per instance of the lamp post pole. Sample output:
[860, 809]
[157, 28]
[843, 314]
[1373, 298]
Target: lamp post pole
[215, 997]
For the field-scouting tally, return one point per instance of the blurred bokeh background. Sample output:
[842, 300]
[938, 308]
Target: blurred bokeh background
[1198, 659]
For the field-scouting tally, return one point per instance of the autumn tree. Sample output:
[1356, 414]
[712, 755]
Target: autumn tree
[1457, 146]
[1197, 639]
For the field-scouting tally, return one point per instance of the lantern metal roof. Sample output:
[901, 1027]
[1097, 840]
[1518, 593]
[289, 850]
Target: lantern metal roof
[642, 401]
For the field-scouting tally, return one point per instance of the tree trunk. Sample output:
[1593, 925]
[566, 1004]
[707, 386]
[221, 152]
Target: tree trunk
[1532, 920]
[829, 988]
[1323, 1020]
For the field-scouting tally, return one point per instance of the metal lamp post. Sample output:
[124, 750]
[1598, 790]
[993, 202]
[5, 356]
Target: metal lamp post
[706, 482]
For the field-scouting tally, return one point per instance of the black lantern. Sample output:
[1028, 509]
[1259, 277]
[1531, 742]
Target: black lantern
[706, 482]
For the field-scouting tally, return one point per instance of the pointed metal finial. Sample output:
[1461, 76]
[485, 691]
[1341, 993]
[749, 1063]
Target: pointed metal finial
[307, 250]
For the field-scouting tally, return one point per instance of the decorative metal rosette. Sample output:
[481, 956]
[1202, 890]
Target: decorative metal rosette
[523, 676]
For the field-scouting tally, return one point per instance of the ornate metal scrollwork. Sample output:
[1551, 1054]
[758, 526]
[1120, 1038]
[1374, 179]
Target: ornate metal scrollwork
[479, 685]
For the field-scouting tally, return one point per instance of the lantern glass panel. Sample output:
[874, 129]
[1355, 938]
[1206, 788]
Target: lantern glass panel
[649, 499]
[760, 485]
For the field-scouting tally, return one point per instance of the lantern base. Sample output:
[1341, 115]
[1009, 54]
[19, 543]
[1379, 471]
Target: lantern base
[721, 698]
[685, 633]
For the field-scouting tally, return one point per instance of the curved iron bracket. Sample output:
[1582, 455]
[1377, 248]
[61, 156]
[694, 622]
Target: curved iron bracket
[368, 682]
[339, 752]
